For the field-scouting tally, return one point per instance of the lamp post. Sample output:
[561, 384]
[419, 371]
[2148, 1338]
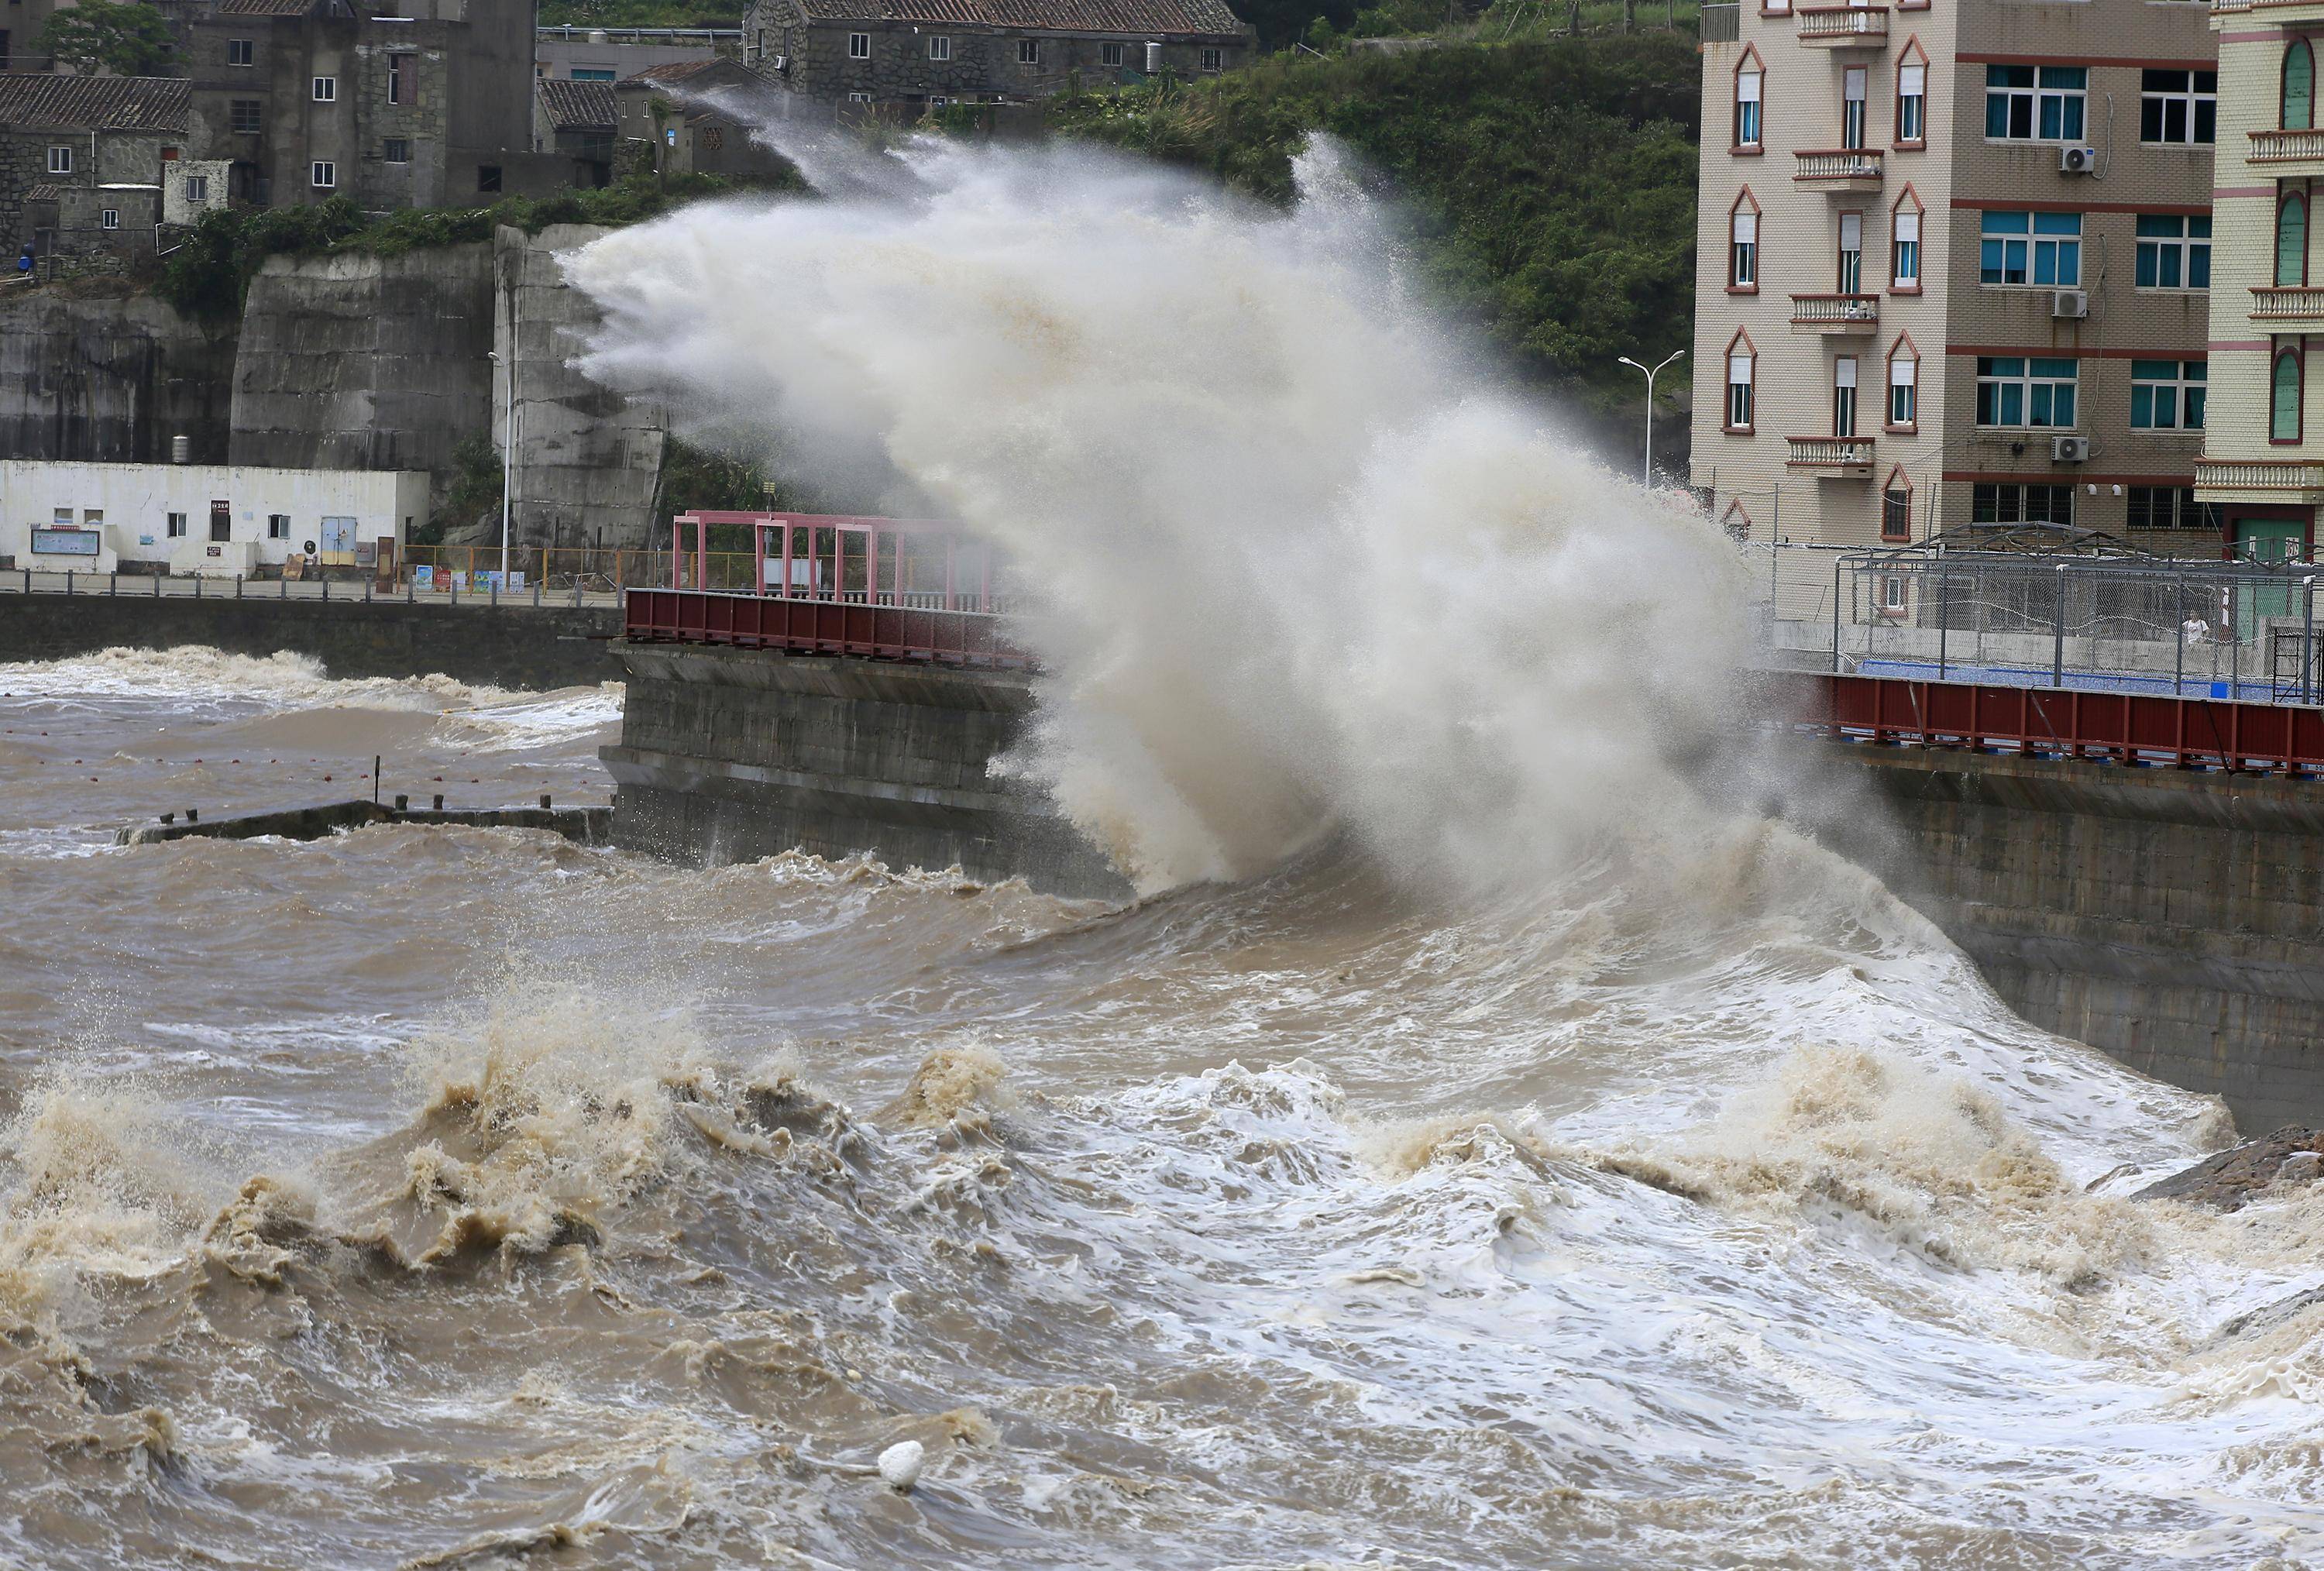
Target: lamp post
[1646, 468]
[508, 456]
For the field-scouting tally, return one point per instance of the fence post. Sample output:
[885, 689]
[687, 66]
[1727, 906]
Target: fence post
[2178, 638]
[2058, 634]
[2307, 634]
[114, 589]
[1837, 563]
[1944, 613]
[69, 578]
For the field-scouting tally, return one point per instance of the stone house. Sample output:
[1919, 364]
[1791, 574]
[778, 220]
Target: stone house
[913, 53]
[84, 162]
[21, 22]
[576, 121]
[393, 103]
[695, 116]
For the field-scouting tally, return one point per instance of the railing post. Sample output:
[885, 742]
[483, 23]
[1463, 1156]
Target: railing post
[112, 589]
[2179, 638]
[69, 578]
[1944, 614]
[1837, 563]
[2307, 635]
[2058, 634]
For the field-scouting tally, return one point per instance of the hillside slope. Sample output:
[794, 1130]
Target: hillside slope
[1552, 184]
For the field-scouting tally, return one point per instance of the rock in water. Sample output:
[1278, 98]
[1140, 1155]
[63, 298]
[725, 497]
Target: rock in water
[899, 1465]
[2233, 1178]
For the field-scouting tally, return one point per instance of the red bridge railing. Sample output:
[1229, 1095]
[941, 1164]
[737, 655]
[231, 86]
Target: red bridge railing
[811, 626]
[2126, 728]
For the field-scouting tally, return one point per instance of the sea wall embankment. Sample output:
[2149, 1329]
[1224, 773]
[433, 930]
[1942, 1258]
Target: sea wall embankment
[511, 645]
[2173, 918]
[727, 755]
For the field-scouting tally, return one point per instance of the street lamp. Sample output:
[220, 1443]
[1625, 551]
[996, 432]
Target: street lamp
[1646, 469]
[508, 455]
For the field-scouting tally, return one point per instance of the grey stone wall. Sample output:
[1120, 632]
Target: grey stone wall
[509, 646]
[102, 374]
[589, 461]
[728, 756]
[2172, 918]
[984, 61]
[361, 362]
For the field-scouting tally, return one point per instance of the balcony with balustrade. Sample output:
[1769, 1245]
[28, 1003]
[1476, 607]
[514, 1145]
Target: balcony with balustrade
[1843, 315]
[2287, 303]
[2288, 147]
[1830, 458]
[2259, 480]
[1841, 170]
[1843, 27]
[2290, 13]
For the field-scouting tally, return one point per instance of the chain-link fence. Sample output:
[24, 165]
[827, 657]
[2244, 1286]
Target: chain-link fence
[2100, 624]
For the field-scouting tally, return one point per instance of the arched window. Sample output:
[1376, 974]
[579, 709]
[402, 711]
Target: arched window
[1897, 509]
[1903, 384]
[1912, 96]
[2291, 240]
[1742, 364]
[1750, 86]
[2285, 396]
[1904, 244]
[2299, 86]
[1743, 246]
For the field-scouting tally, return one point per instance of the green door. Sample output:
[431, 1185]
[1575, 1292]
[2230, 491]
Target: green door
[2266, 540]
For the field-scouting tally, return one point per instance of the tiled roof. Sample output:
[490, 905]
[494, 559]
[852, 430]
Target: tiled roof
[1153, 18]
[42, 102]
[675, 71]
[578, 105]
[264, 7]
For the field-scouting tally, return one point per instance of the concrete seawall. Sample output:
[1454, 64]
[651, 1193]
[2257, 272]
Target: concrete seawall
[2173, 918]
[727, 755]
[508, 646]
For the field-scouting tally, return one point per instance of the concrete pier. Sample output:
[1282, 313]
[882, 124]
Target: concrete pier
[728, 756]
[2173, 918]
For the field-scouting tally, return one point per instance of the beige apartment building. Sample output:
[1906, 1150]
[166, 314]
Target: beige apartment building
[1954, 268]
[2262, 469]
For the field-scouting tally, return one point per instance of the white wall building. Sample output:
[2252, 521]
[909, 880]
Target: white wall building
[228, 520]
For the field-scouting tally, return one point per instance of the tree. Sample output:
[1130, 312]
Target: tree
[121, 36]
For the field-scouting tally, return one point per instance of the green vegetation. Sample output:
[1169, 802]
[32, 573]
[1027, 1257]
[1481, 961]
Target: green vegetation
[129, 40]
[208, 276]
[642, 13]
[1550, 185]
[476, 490]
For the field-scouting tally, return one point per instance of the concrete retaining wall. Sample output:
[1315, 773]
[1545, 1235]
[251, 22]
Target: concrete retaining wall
[2173, 918]
[509, 646]
[728, 756]
[97, 375]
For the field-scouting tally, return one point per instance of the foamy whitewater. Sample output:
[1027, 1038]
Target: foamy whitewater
[1487, 1144]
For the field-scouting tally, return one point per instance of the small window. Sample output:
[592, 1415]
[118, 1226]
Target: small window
[2179, 106]
[1109, 54]
[939, 47]
[244, 116]
[2013, 390]
[1739, 391]
[2173, 252]
[2041, 248]
[1911, 103]
[278, 526]
[241, 51]
[2284, 397]
[110, 218]
[1891, 584]
[2035, 103]
[396, 150]
[176, 526]
[60, 160]
[395, 64]
[859, 97]
[1743, 251]
[1903, 390]
[62, 517]
[92, 517]
[488, 177]
[2153, 507]
[1748, 86]
[1905, 251]
[197, 187]
[327, 89]
[859, 46]
[1029, 52]
[1213, 60]
[1896, 515]
[1843, 396]
[1998, 504]
[325, 174]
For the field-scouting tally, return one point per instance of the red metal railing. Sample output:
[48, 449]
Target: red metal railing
[804, 625]
[2129, 728]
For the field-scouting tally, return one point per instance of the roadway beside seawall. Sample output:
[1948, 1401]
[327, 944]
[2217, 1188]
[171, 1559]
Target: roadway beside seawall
[514, 644]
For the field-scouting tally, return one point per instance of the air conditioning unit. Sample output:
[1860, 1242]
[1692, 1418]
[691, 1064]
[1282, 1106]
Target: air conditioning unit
[2077, 159]
[2070, 450]
[2070, 304]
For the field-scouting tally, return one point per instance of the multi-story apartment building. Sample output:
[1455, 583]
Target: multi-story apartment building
[393, 103]
[2262, 471]
[1954, 268]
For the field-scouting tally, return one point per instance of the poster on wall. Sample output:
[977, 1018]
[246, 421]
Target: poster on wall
[423, 576]
[64, 543]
